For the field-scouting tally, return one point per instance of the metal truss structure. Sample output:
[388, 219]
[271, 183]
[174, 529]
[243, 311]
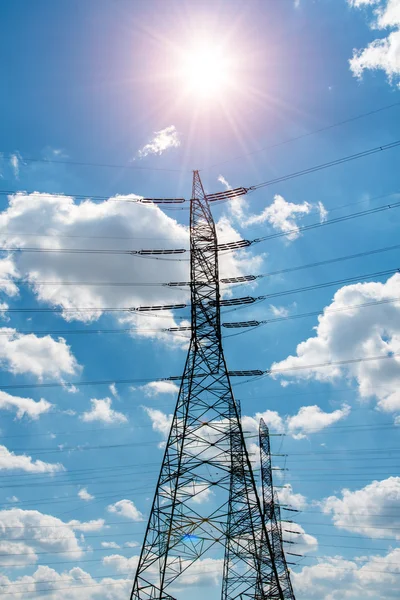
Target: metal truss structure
[206, 504]
[272, 517]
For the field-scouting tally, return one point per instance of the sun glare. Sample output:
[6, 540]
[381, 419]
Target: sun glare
[206, 72]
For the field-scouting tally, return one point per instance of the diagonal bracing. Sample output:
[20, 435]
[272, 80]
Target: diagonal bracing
[206, 503]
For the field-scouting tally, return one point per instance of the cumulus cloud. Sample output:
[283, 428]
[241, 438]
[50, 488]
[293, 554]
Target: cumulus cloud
[311, 419]
[112, 545]
[101, 411]
[155, 388]
[39, 356]
[205, 571]
[382, 53]
[110, 224]
[288, 497]
[160, 421]
[282, 215]
[308, 420]
[8, 272]
[125, 508]
[75, 584]
[298, 540]
[373, 511]
[94, 525]
[10, 461]
[336, 578]
[24, 406]
[39, 531]
[84, 495]
[121, 564]
[161, 141]
[16, 555]
[356, 333]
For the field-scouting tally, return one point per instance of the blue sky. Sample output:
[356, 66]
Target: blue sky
[101, 82]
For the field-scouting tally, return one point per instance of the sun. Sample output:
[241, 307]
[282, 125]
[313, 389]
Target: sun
[206, 71]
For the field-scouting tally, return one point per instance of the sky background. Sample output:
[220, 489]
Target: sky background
[96, 112]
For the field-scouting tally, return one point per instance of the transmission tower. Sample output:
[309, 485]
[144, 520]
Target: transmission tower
[272, 517]
[206, 503]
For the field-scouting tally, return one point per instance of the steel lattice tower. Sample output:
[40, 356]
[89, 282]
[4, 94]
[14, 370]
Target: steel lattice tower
[272, 516]
[206, 459]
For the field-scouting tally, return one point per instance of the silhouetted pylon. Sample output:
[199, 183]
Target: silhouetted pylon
[272, 517]
[206, 503]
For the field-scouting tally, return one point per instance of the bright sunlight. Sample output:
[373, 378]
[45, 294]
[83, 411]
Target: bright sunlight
[206, 71]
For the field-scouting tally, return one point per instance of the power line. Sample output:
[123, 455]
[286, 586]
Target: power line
[326, 165]
[226, 280]
[222, 247]
[101, 165]
[173, 378]
[241, 301]
[305, 135]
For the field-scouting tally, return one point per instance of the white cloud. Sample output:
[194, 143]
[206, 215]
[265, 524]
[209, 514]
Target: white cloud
[198, 492]
[271, 418]
[101, 411]
[39, 356]
[63, 221]
[121, 564]
[323, 213]
[127, 509]
[113, 390]
[311, 419]
[74, 584]
[24, 406]
[94, 525]
[84, 495]
[205, 571]
[13, 499]
[10, 461]
[373, 511]
[287, 497]
[39, 531]
[279, 311]
[8, 272]
[155, 388]
[338, 578]
[113, 545]
[160, 421]
[131, 544]
[16, 555]
[14, 162]
[357, 333]
[162, 141]
[303, 543]
[382, 53]
[282, 215]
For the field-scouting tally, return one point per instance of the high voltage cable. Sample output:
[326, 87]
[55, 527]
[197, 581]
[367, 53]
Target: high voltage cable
[241, 373]
[241, 301]
[110, 165]
[327, 165]
[223, 247]
[10, 233]
[305, 135]
[249, 325]
[226, 280]
[350, 217]
[296, 174]
[254, 324]
[142, 168]
[121, 581]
